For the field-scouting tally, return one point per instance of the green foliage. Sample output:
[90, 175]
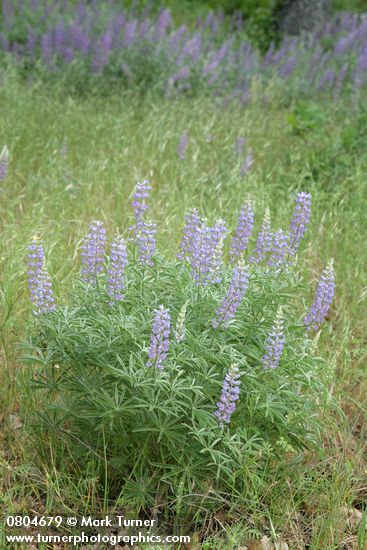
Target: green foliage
[306, 116]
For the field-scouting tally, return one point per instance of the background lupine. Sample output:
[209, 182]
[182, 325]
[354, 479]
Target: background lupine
[247, 163]
[279, 249]
[39, 282]
[93, 251]
[182, 145]
[233, 298]
[180, 330]
[243, 232]
[230, 394]
[116, 270]
[4, 162]
[323, 298]
[299, 222]
[159, 341]
[264, 239]
[274, 342]
[115, 43]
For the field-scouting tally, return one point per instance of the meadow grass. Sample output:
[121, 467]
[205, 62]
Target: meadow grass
[73, 159]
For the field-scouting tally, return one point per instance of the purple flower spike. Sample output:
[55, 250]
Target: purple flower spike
[279, 249]
[4, 163]
[323, 298]
[93, 250]
[243, 232]
[206, 253]
[247, 163]
[192, 222]
[139, 204]
[232, 300]
[264, 240]
[116, 270]
[300, 219]
[182, 145]
[240, 143]
[230, 394]
[159, 341]
[39, 282]
[145, 239]
[274, 343]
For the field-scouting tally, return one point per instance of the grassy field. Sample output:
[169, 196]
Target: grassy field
[74, 159]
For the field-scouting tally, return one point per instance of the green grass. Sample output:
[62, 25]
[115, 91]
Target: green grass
[113, 141]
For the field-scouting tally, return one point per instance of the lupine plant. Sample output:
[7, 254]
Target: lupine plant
[186, 375]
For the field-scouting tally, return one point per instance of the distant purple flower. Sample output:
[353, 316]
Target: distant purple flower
[182, 145]
[4, 163]
[240, 143]
[340, 80]
[46, 46]
[299, 222]
[116, 270]
[139, 204]
[323, 298]
[162, 24]
[230, 394]
[279, 248]
[180, 75]
[360, 71]
[243, 232]
[233, 298]
[192, 223]
[288, 67]
[327, 79]
[130, 32]
[264, 240]
[93, 250]
[247, 163]
[39, 282]
[274, 343]
[217, 58]
[159, 341]
[145, 239]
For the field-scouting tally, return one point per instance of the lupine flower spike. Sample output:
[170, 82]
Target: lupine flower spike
[192, 224]
[159, 341]
[182, 146]
[4, 163]
[274, 343]
[264, 239]
[243, 232]
[180, 331]
[39, 282]
[247, 163]
[93, 250]
[299, 222]
[323, 298]
[279, 249]
[232, 300]
[206, 253]
[230, 394]
[139, 204]
[146, 242]
[116, 270]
